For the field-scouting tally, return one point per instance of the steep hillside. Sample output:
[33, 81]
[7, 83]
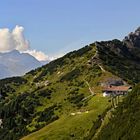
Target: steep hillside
[122, 59]
[62, 92]
[124, 122]
[117, 58]
[63, 99]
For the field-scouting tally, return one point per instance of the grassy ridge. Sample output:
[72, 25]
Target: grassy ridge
[42, 102]
[52, 92]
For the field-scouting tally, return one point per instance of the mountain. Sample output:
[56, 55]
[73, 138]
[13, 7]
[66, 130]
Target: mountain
[15, 63]
[64, 100]
[133, 39]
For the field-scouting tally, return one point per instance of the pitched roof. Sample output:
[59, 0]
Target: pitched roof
[116, 88]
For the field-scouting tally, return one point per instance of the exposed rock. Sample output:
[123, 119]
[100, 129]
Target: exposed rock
[133, 39]
[115, 46]
[113, 81]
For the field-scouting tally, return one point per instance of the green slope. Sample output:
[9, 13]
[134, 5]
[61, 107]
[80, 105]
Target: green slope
[125, 121]
[48, 95]
[72, 127]
[63, 99]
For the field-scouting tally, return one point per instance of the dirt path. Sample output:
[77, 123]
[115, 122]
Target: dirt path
[91, 91]
[102, 68]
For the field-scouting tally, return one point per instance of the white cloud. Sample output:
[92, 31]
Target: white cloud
[38, 55]
[10, 40]
[7, 42]
[55, 56]
[15, 40]
[21, 43]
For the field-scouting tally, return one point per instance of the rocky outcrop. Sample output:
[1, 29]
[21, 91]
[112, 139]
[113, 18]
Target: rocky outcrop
[133, 39]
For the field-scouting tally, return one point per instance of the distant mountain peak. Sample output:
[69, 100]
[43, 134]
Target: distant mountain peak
[15, 51]
[14, 63]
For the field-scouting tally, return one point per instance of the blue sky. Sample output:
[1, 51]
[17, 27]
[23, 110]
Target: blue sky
[59, 26]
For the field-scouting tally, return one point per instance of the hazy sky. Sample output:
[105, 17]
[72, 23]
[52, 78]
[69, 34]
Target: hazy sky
[58, 26]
